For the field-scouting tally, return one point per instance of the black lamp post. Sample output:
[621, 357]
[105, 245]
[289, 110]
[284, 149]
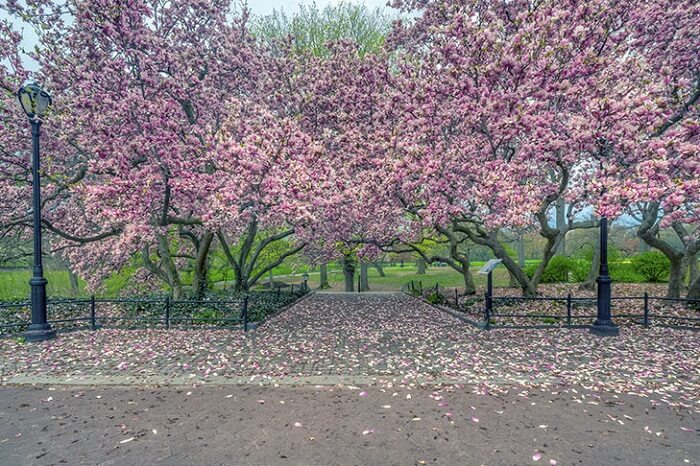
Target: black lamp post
[35, 102]
[603, 324]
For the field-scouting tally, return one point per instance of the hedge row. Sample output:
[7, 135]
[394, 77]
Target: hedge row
[650, 266]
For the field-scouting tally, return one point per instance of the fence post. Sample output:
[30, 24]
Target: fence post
[292, 291]
[437, 288]
[568, 309]
[456, 298]
[646, 309]
[420, 285]
[167, 312]
[92, 313]
[278, 293]
[245, 313]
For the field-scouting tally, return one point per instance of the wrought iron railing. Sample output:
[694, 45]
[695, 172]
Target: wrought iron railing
[562, 311]
[235, 311]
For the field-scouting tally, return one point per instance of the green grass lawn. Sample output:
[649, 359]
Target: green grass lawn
[14, 284]
[398, 276]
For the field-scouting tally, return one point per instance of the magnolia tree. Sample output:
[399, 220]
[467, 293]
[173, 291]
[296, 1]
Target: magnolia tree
[63, 168]
[343, 101]
[511, 107]
[298, 42]
[264, 190]
[314, 45]
[14, 160]
[145, 96]
[661, 188]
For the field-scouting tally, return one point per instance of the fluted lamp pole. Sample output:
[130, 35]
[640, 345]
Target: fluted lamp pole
[36, 102]
[603, 324]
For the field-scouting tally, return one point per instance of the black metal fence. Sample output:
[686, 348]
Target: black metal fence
[235, 311]
[567, 311]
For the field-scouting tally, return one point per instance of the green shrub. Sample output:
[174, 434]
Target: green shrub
[624, 272]
[580, 269]
[549, 320]
[654, 266]
[558, 270]
[530, 269]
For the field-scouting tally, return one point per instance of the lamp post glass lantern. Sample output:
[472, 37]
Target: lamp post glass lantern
[305, 277]
[36, 102]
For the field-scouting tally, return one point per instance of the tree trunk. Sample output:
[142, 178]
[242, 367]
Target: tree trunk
[380, 269]
[643, 246]
[169, 265]
[521, 251]
[420, 264]
[364, 278]
[349, 273]
[324, 277]
[561, 224]
[513, 282]
[694, 290]
[648, 231]
[74, 286]
[201, 267]
[526, 285]
[693, 269]
[590, 282]
[469, 287]
[240, 284]
[675, 280]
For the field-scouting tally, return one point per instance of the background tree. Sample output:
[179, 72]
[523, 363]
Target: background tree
[312, 29]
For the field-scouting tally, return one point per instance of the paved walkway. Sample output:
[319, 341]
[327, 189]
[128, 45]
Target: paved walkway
[368, 338]
[388, 380]
[249, 425]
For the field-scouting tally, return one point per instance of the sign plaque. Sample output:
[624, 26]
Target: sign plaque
[490, 265]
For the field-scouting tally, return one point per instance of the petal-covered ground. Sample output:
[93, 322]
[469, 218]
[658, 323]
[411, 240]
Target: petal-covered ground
[379, 337]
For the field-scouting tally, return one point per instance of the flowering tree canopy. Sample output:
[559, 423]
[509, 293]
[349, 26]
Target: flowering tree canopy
[176, 132]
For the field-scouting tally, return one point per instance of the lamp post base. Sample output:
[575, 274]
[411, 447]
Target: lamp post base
[40, 332]
[605, 328]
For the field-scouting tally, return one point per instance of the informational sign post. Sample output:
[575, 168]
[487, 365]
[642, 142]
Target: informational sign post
[487, 269]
